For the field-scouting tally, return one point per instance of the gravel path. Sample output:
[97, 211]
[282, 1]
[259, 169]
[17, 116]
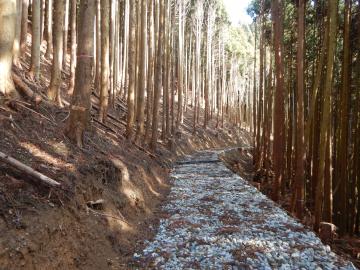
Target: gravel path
[218, 221]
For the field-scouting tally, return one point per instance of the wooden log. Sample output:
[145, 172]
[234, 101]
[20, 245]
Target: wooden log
[27, 170]
[25, 90]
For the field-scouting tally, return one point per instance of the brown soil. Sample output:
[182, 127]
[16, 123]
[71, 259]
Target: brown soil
[43, 228]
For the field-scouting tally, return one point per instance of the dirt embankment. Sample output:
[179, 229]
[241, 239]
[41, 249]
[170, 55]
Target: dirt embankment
[110, 194]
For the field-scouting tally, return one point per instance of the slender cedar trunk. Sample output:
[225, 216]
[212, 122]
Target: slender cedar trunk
[24, 26]
[142, 72]
[254, 89]
[126, 38]
[172, 84]
[42, 20]
[112, 21]
[315, 151]
[150, 76]
[261, 80]
[53, 92]
[16, 46]
[36, 39]
[290, 132]
[158, 81]
[341, 195]
[300, 143]
[79, 118]
[105, 65]
[48, 27]
[131, 70]
[313, 109]
[208, 70]
[180, 62]
[166, 74]
[65, 35]
[98, 46]
[326, 109]
[8, 29]
[198, 25]
[356, 156]
[73, 17]
[328, 193]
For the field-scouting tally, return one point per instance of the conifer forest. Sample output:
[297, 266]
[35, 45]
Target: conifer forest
[180, 134]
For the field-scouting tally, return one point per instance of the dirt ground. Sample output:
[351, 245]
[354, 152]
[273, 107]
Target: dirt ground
[111, 190]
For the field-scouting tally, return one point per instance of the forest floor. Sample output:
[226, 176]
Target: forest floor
[240, 161]
[214, 219]
[110, 191]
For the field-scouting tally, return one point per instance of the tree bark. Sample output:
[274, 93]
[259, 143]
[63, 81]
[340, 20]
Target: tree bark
[49, 27]
[326, 109]
[79, 118]
[131, 70]
[105, 64]
[55, 83]
[7, 37]
[36, 40]
[73, 17]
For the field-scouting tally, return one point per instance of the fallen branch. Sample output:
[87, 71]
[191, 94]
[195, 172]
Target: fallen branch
[25, 90]
[27, 170]
[107, 215]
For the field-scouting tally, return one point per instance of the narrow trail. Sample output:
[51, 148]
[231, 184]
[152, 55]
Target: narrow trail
[216, 220]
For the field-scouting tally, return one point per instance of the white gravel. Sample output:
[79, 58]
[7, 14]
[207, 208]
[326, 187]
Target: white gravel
[218, 221]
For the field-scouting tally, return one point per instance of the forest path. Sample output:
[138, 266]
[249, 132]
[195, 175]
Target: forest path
[216, 220]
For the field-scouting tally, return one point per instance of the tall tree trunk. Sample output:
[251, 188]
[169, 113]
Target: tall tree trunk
[142, 72]
[7, 37]
[98, 47]
[158, 76]
[36, 40]
[326, 109]
[131, 70]
[66, 31]
[341, 195]
[105, 64]
[79, 118]
[24, 26]
[55, 83]
[16, 46]
[49, 27]
[279, 114]
[150, 76]
[300, 142]
[73, 17]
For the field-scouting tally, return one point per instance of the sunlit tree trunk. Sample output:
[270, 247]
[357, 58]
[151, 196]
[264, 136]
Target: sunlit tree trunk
[16, 46]
[105, 65]
[158, 76]
[36, 39]
[55, 83]
[7, 37]
[150, 76]
[48, 27]
[79, 118]
[73, 58]
[66, 31]
[24, 26]
[131, 71]
[142, 72]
